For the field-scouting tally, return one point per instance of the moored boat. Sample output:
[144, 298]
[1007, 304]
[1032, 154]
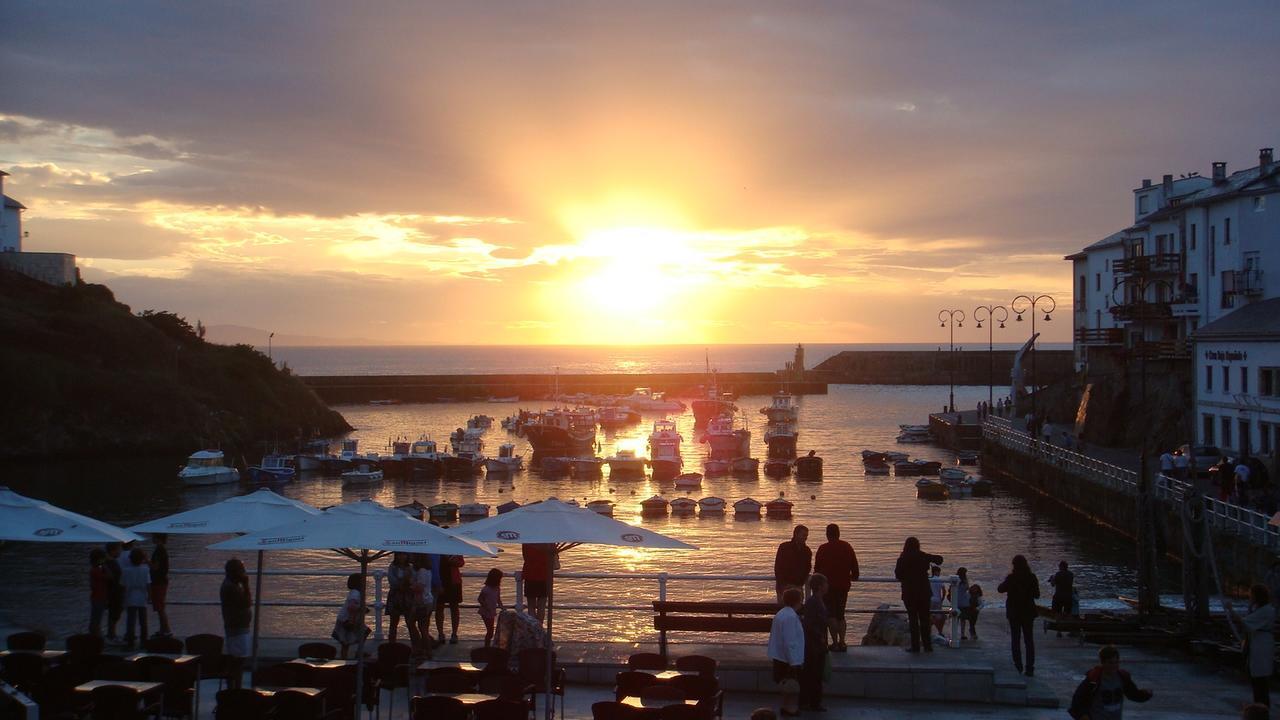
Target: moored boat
[928, 467]
[507, 461]
[689, 480]
[747, 506]
[473, 510]
[443, 511]
[207, 467]
[980, 487]
[894, 456]
[646, 400]
[664, 450]
[711, 504]
[586, 467]
[952, 473]
[553, 466]
[479, 422]
[561, 431]
[625, 463]
[414, 509]
[683, 505]
[809, 466]
[781, 440]
[775, 467]
[873, 456]
[617, 416]
[914, 438]
[468, 453]
[713, 403]
[744, 466]
[779, 507]
[906, 467]
[508, 506]
[931, 490]
[361, 476]
[315, 457]
[656, 505]
[274, 468]
[876, 468]
[782, 409]
[715, 468]
[967, 458]
[603, 507]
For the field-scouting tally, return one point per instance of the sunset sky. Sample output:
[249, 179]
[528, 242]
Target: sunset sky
[608, 172]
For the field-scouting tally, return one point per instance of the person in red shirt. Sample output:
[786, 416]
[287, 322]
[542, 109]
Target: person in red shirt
[536, 572]
[99, 589]
[839, 563]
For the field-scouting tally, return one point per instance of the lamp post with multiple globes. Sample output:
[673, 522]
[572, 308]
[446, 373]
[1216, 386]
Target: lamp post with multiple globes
[993, 314]
[952, 319]
[1033, 303]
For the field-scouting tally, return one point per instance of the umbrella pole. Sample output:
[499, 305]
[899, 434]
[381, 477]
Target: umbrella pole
[364, 576]
[257, 614]
[549, 698]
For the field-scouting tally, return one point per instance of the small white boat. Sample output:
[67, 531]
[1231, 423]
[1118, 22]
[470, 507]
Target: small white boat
[473, 510]
[779, 507]
[715, 468]
[513, 398]
[207, 467]
[506, 462]
[683, 505]
[876, 469]
[656, 505]
[361, 476]
[745, 466]
[689, 480]
[625, 463]
[747, 506]
[952, 473]
[603, 507]
[415, 510]
[914, 428]
[479, 422]
[443, 511]
[915, 438]
[646, 400]
[709, 504]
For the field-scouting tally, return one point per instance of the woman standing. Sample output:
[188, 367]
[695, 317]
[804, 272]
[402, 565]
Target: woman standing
[912, 571]
[814, 618]
[1022, 588]
[1259, 644]
[400, 597]
[237, 617]
[450, 595]
[786, 649]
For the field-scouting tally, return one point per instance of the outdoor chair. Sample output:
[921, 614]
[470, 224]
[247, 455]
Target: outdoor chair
[531, 666]
[294, 705]
[23, 671]
[179, 684]
[631, 682]
[57, 695]
[116, 702]
[162, 645]
[646, 661]
[213, 664]
[700, 664]
[496, 659]
[500, 710]
[283, 675]
[704, 689]
[324, 651]
[393, 671]
[661, 692]
[438, 708]
[84, 649]
[26, 640]
[340, 689]
[684, 712]
[241, 704]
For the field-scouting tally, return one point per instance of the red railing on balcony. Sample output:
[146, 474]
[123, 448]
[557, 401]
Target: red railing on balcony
[1100, 336]
[1162, 264]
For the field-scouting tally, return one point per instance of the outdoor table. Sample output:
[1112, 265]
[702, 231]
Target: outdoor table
[451, 664]
[466, 698]
[321, 664]
[178, 659]
[143, 688]
[636, 702]
[667, 674]
[271, 691]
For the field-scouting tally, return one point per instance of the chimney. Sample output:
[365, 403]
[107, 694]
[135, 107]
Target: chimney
[1166, 184]
[1264, 159]
[1219, 173]
[1146, 182]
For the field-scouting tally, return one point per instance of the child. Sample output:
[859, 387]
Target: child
[490, 602]
[99, 589]
[424, 601]
[971, 613]
[135, 576]
[350, 628]
[939, 593]
[960, 603]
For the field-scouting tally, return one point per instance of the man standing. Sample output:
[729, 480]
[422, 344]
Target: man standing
[115, 590]
[1063, 583]
[793, 562]
[838, 562]
[160, 582]
[813, 617]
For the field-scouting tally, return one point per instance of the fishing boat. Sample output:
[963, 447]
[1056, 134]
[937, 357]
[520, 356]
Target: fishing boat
[207, 467]
[958, 486]
[625, 463]
[967, 458]
[468, 453]
[781, 440]
[561, 431]
[603, 507]
[725, 440]
[710, 505]
[683, 505]
[689, 480]
[713, 403]
[952, 473]
[876, 468]
[479, 422]
[809, 466]
[617, 416]
[274, 468]
[656, 505]
[443, 511]
[782, 409]
[931, 490]
[664, 450]
[712, 467]
[747, 506]
[744, 466]
[586, 467]
[779, 507]
[397, 464]
[913, 428]
[315, 457]
[473, 510]
[646, 400]
[508, 506]
[507, 461]
[425, 459]
[775, 467]
[361, 476]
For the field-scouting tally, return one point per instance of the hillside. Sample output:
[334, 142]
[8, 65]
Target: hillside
[83, 375]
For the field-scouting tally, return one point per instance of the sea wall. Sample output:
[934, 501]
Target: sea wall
[925, 367]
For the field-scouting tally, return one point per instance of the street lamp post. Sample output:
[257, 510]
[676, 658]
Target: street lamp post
[951, 319]
[994, 314]
[1034, 303]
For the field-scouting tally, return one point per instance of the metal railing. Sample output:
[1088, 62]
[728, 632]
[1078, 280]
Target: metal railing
[1225, 516]
[663, 580]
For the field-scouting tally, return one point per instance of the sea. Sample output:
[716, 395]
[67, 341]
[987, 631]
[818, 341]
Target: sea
[49, 583]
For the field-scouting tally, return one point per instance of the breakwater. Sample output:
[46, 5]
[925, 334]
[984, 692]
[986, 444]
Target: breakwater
[939, 367]
[340, 389]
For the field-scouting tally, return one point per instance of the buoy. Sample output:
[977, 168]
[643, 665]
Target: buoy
[813, 497]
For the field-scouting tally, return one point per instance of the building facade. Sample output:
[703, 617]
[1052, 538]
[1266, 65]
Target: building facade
[51, 268]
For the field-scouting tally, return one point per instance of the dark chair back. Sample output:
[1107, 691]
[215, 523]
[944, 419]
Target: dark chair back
[23, 671]
[684, 712]
[204, 644]
[324, 651]
[438, 708]
[115, 702]
[241, 704]
[179, 684]
[631, 682]
[25, 640]
[662, 692]
[57, 692]
[293, 704]
[84, 648]
[506, 687]
[696, 687]
[646, 661]
[531, 666]
[450, 683]
[500, 710]
[340, 688]
[700, 664]
[495, 659]
[163, 645]
[281, 675]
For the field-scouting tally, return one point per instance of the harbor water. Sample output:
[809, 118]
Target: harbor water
[47, 585]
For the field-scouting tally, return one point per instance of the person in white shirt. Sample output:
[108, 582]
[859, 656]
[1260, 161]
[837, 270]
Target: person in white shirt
[135, 576]
[786, 650]
[1242, 482]
[1182, 464]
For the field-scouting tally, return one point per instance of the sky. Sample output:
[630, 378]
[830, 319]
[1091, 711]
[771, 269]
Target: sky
[611, 172]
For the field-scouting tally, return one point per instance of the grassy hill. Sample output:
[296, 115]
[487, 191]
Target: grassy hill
[80, 374]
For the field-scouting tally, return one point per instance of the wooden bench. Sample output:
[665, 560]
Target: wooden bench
[731, 617]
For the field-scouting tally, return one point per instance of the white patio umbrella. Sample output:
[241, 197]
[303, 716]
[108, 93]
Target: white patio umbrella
[564, 527]
[242, 514]
[26, 519]
[363, 531]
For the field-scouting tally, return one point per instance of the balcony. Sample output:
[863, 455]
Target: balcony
[1162, 349]
[1142, 311]
[1246, 282]
[1162, 264]
[1099, 336]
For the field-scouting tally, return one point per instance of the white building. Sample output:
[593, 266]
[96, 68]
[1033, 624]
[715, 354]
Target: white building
[10, 220]
[1198, 252]
[1238, 380]
[52, 268]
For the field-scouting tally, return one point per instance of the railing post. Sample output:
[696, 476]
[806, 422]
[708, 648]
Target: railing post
[377, 605]
[519, 591]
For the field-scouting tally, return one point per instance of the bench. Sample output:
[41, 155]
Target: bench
[731, 617]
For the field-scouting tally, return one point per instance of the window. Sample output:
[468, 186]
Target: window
[1082, 302]
[1208, 378]
[1225, 423]
[1097, 281]
[1213, 240]
[1206, 429]
[1269, 382]
[1193, 236]
[1264, 438]
[1226, 379]
[1244, 380]
[1142, 204]
[1260, 204]
[1097, 319]
[1193, 284]
[1226, 231]
[1246, 437]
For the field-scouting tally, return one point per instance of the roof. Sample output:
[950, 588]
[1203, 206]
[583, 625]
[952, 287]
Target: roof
[1255, 321]
[11, 203]
[1109, 241]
